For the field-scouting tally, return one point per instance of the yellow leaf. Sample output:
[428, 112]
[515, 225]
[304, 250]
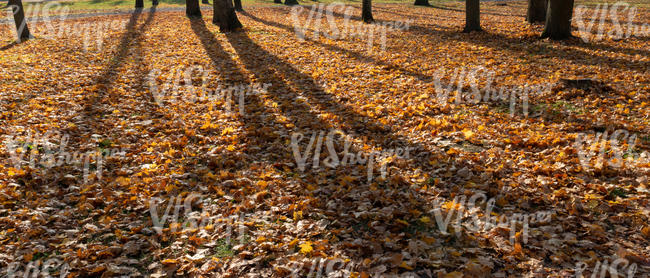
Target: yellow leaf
[306, 248]
[227, 131]
[405, 266]
[402, 222]
[518, 250]
[293, 242]
[468, 133]
[169, 261]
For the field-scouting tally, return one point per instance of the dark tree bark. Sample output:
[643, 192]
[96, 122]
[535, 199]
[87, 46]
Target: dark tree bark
[291, 2]
[225, 16]
[205, 1]
[154, 2]
[536, 11]
[238, 6]
[366, 11]
[192, 9]
[422, 3]
[472, 16]
[139, 4]
[19, 17]
[277, 1]
[558, 19]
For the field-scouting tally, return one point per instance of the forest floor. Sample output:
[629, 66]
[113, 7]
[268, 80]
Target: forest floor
[111, 163]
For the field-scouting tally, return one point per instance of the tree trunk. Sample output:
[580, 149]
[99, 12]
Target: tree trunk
[154, 2]
[366, 11]
[19, 17]
[205, 1]
[192, 9]
[472, 16]
[238, 6]
[536, 11]
[139, 4]
[291, 2]
[225, 16]
[558, 19]
[277, 1]
[422, 3]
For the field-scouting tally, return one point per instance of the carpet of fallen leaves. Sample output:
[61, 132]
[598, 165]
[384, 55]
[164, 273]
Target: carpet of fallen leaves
[382, 99]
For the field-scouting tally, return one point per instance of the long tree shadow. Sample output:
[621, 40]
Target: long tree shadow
[350, 54]
[90, 120]
[289, 84]
[8, 46]
[108, 74]
[249, 53]
[254, 120]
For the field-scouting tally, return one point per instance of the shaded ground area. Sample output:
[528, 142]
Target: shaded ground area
[268, 218]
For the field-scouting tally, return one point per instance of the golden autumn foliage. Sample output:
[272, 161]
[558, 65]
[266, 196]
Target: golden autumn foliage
[292, 220]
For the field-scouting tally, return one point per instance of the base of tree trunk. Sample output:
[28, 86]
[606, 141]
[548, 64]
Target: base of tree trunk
[23, 39]
[558, 20]
[225, 17]
[193, 9]
[366, 11]
[547, 35]
[21, 22]
[291, 2]
[538, 19]
[421, 3]
[231, 27]
[536, 11]
[472, 29]
[472, 16]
